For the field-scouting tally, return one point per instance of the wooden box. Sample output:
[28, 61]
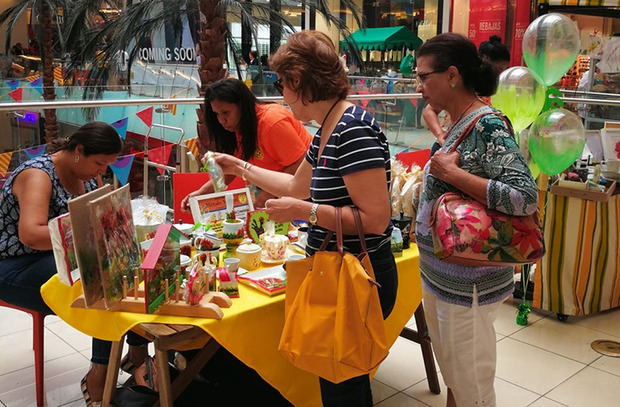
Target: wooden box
[583, 194]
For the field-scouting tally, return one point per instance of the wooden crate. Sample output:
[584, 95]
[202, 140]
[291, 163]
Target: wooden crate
[582, 194]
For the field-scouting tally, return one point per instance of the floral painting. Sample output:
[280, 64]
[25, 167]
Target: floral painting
[118, 250]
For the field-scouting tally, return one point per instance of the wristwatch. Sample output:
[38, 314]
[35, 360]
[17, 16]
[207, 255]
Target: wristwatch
[313, 218]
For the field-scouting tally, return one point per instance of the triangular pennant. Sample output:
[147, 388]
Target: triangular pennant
[121, 127]
[5, 160]
[146, 116]
[13, 84]
[161, 155]
[33, 152]
[192, 146]
[38, 85]
[16, 95]
[121, 167]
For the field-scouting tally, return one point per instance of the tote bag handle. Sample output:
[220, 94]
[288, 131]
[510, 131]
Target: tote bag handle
[339, 239]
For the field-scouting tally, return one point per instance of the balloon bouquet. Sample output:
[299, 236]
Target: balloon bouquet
[556, 137]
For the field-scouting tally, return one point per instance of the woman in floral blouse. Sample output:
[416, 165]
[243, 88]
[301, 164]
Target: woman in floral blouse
[461, 302]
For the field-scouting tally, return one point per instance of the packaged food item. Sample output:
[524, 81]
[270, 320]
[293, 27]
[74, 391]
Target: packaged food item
[228, 284]
[270, 281]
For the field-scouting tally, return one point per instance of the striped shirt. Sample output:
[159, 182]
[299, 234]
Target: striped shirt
[356, 144]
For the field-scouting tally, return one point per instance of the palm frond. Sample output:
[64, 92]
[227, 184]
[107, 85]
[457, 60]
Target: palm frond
[12, 14]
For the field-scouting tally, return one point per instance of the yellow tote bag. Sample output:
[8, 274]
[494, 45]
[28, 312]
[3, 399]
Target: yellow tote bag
[333, 322]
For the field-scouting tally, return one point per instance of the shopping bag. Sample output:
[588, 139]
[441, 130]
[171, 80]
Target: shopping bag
[333, 322]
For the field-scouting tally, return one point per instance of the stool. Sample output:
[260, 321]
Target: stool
[37, 346]
[165, 337]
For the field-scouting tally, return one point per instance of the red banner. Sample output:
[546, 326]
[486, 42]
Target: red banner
[521, 21]
[486, 18]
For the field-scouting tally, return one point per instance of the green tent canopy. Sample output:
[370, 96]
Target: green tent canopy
[384, 38]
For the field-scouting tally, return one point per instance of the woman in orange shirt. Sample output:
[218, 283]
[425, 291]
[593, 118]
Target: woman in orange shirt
[264, 134]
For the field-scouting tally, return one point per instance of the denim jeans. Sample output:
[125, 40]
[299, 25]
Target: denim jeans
[21, 279]
[355, 392]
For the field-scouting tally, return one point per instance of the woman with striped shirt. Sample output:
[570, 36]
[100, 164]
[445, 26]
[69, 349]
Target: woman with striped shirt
[347, 164]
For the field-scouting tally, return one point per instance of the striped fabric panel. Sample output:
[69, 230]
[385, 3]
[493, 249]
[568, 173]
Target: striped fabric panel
[580, 273]
[604, 3]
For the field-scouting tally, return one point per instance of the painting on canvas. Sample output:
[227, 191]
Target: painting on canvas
[84, 244]
[118, 250]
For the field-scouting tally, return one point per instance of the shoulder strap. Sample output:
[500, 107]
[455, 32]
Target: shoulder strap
[468, 129]
[339, 238]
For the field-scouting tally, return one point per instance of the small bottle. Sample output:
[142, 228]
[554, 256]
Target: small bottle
[216, 173]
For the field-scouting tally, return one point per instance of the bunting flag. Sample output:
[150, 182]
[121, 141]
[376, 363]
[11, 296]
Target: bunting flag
[13, 84]
[59, 75]
[38, 85]
[161, 155]
[121, 127]
[36, 151]
[192, 146]
[5, 160]
[16, 95]
[32, 77]
[121, 167]
[146, 116]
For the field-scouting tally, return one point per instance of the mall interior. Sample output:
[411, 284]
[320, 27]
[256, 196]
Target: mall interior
[557, 335]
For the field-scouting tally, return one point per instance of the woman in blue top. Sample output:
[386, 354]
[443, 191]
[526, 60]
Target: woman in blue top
[37, 191]
[347, 164]
[461, 302]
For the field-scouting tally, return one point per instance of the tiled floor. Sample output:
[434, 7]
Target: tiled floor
[546, 364]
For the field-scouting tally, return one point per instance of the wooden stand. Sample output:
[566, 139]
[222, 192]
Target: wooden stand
[209, 307]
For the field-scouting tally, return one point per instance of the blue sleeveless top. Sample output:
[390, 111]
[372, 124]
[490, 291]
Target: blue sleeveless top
[10, 245]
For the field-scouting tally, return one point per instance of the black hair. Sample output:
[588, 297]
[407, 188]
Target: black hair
[451, 49]
[94, 137]
[494, 49]
[232, 90]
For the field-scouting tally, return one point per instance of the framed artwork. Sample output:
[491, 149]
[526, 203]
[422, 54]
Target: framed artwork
[118, 250]
[210, 209]
[162, 262]
[84, 244]
[255, 225]
[610, 138]
[62, 246]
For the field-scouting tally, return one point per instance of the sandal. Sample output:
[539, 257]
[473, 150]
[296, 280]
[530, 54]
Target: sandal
[86, 395]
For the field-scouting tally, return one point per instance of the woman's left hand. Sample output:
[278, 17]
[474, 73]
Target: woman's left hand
[283, 209]
[444, 164]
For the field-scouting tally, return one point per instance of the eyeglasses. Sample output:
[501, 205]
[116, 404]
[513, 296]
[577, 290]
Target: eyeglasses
[422, 77]
[278, 85]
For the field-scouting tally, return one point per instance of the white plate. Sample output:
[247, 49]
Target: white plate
[267, 260]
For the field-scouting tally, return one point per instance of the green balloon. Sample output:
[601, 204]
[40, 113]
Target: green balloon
[550, 46]
[533, 168]
[522, 140]
[520, 96]
[556, 140]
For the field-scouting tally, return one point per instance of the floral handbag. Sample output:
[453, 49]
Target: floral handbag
[466, 232]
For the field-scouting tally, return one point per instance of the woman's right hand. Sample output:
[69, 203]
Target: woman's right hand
[185, 202]
[230, 164]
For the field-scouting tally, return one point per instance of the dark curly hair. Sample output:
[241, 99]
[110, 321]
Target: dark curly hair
[310, 58]
[494, 50]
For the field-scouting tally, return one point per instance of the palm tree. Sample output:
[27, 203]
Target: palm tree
[45, 19]
[143, 18]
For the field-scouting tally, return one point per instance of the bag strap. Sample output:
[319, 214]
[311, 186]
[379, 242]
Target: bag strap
[471, 125]
[339, 238]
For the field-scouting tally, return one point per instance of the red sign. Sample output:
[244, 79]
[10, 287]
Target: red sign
[486, 18]
[521, 21]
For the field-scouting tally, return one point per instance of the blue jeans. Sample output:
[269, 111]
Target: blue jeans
[21, 279]
[355, 392]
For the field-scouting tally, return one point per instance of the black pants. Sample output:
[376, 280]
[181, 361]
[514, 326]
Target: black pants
[356, 392]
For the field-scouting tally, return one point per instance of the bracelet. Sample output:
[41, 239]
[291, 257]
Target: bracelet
[246, 168]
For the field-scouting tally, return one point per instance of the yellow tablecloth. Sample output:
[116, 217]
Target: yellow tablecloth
[250, 329]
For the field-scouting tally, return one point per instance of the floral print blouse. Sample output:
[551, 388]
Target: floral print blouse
[491, 152]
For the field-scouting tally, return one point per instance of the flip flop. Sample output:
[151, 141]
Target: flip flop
[86, 395]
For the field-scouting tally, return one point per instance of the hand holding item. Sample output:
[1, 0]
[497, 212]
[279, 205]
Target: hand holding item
[283, 209]
[442, 164]
[229, 164]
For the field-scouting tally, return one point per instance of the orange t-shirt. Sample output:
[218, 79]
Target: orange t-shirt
[282, 139]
